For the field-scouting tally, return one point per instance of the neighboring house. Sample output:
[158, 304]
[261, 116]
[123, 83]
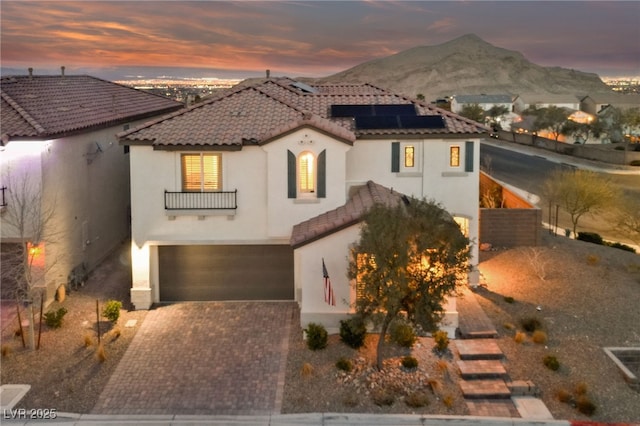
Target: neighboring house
[59, 148]
[524, 102]
[486, 102]
[251, 195]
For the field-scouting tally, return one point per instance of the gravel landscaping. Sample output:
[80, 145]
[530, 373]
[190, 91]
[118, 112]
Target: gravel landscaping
[585, 297]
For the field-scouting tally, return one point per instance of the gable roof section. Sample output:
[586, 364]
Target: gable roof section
[248, 115]
[259, 112]
[344, 216]
[47, 107]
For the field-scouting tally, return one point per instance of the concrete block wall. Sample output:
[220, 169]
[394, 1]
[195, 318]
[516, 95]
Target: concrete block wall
[511, 227]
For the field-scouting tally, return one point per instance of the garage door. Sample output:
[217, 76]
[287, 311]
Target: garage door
[229, 272]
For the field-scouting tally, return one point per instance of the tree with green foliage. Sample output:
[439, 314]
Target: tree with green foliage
[583, 131]
[473, 112]
[494, 113]
[580, 192]
[409, 258]
[551, 118]
[630, 123]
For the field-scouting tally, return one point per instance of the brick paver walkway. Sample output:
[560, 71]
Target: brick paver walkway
[204, 358]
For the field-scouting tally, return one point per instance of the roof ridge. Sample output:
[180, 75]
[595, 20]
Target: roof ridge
[23, 113]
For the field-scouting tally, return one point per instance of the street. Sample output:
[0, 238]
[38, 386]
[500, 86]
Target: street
[528, 172]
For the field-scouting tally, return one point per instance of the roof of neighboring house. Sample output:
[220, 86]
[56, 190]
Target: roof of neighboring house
[259, 112]
[361, 200]
[483, 99]
[47, 107]
[551, 99]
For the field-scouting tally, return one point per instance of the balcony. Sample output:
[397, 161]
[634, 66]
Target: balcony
[220, 200]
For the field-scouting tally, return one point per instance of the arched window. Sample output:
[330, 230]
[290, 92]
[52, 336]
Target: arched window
[307, 173]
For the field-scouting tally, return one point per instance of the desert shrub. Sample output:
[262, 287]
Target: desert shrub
[306, 370]
[402, 334]
[585, 405]
[88, 340]
[530, 324]
[551, 362]
[508, 326]
[539, 337]
[409, 362]
[111, 310]
[448, 401]
[509, 299]
[442, 340]
[6, 350]
[590, 237]
[622, 247]
[435, 385]
[382, 396]
[317, 336]
[581, 388]
[101, 354]
[417, 399]
[519, 337]
[564, 395]
[116, 332]
[592, 259]
[53, 319]
[344, 364]
[442, 365]
[353, 332]
[635, 163]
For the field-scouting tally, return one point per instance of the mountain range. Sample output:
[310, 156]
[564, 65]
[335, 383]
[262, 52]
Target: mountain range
[468, 65]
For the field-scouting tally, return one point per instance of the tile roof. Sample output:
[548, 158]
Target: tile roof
[484, 99]
[363, 198]
[260, 111]
[46, 107]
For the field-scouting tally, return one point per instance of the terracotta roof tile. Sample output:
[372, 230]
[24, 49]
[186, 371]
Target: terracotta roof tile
[51, 106]
[267, 108]
[352, 212]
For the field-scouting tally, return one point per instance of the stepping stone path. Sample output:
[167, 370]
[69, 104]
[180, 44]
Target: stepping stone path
[485, 383]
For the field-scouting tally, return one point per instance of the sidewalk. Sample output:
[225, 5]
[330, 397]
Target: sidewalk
[310, 419]
[556, 157]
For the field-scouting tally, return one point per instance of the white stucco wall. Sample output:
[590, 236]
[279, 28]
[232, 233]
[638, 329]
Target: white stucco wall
[85, 181]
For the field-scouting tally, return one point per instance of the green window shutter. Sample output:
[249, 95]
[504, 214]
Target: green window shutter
[395, 157]
[291, 174]
[322, 174]
[468, 156]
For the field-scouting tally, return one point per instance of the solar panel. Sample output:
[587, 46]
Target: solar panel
[422, 122]
[401, 109]
[372, 110]
[304, 87]
[399, 122]
[377, 122]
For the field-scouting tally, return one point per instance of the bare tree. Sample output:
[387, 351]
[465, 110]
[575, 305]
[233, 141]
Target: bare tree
[28, 219]
[580, 192]
[629, 218]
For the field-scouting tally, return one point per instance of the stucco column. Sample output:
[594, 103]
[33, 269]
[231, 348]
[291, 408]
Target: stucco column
[141, 294]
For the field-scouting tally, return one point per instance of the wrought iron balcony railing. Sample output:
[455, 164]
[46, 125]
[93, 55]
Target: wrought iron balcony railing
[220, 200]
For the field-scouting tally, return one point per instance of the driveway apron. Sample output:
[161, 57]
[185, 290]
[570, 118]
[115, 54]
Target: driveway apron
[204, 358]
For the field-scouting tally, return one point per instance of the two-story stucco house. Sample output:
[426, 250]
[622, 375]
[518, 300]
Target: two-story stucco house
[60, 158]
[258, 193]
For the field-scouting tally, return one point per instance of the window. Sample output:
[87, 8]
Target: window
[454, 156]
[409, 152]
[201, 172]
[463, 223]
[306, 173]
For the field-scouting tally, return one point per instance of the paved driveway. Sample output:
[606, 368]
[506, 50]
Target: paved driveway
[204, 358]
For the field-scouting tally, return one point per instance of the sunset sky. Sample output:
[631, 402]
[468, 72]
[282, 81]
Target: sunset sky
[305, 38]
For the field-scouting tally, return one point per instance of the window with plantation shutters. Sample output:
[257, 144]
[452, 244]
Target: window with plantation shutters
[201, 172]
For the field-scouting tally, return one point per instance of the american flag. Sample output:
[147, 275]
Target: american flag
[329, 297]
